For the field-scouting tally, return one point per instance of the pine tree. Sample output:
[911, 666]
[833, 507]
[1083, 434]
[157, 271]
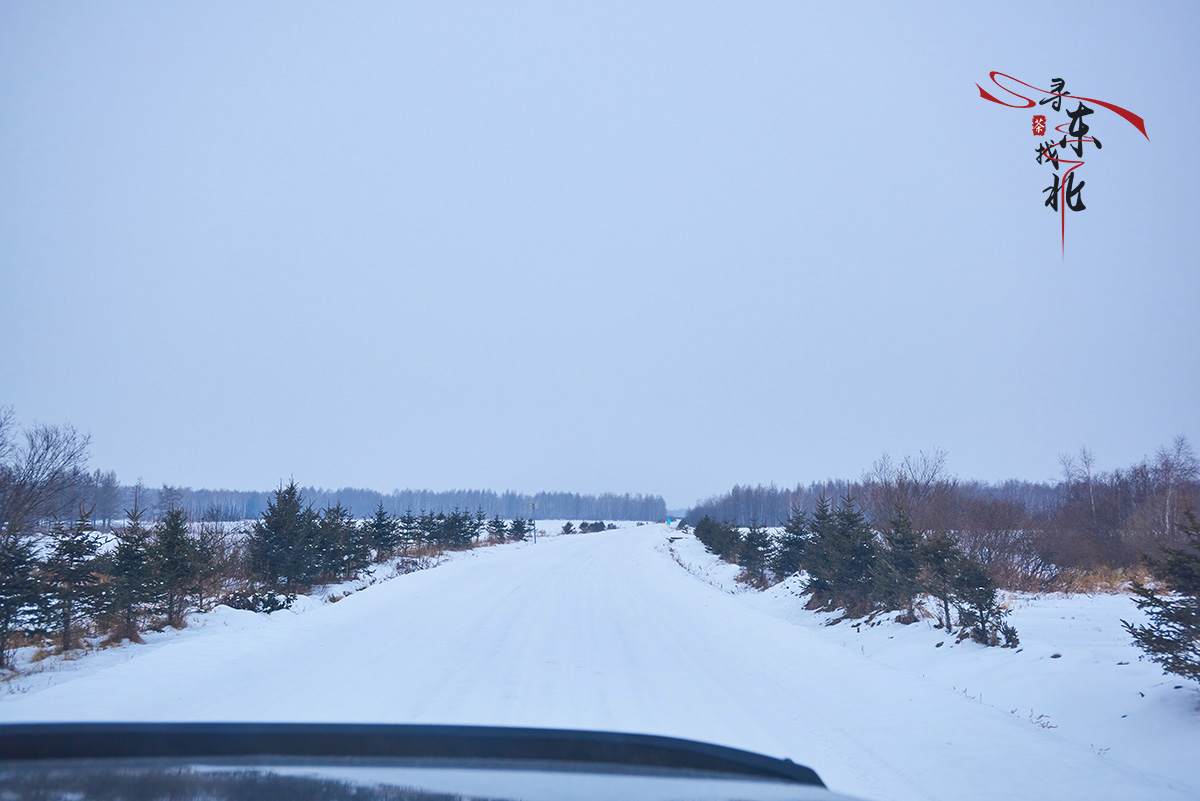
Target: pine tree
[410, 530]
[721, 539]
[309, 560]
[519, 528]
[789, 551]
[212, 552]
[20, 592]
[941, 561]
[840, 557]
[897, 574]
[70, 577]
[979, 611]
[175, 563]
[279, 541]
[384, 532]
[1173, 637]
[343, 550]
[458, 529]
[133, 588]
[756, 553]
[497, 529]
[858, 553]
[442, 534]
[318, 557]
[819, 554]
[431, 528]
[356, 544]
[568, 527]
[479, 525]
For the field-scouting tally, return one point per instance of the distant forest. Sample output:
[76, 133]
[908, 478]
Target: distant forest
[770, 505]
[110, 499]
[1087, 520]
[232, 505]
[53, 459]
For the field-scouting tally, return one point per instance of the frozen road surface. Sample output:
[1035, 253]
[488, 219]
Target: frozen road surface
[592, 631]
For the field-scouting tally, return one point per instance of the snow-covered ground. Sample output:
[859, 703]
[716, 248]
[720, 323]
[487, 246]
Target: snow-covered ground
[1076, 671]
[608, 631]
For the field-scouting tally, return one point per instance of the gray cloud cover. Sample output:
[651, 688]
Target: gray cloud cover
[632, 247]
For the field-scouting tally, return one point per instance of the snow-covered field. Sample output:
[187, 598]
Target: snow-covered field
[1076, 672]
[626, 630]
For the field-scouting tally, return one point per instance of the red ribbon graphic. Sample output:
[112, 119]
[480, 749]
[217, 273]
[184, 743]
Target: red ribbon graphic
[1129, 116]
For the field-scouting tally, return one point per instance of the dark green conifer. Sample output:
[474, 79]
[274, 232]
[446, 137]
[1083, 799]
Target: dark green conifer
[212, 554]
[1173, 637]
[282, 549]
[756, 553]
[384, 532]
[431, 528]
[340, 549]
[175, 563]
[860, 550]
[497, 529]
[410, 530]
[840, 558]
[979, 610]
[133, 587]
[722, 539]
[458, 529]
[941, 561]
[519, 528]
[789, 551]
[820, 553]
[20, 592]
[897, 573]
[69, 576]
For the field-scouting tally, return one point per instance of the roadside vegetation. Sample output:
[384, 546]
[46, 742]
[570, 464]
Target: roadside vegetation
[909, 536]
[69, 577]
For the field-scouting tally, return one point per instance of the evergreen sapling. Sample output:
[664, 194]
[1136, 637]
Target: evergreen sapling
[1173, 637]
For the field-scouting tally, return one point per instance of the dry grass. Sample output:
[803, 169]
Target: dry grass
[114, 640]
[1102, 580]
[758, 582]
[42, 654]
[481, 543]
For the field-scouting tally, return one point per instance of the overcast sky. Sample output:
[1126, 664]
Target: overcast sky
[645, 247]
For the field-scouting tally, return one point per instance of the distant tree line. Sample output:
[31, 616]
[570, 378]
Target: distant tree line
[234, 505]
[1029, 536]
[107, 498]
[771, 504]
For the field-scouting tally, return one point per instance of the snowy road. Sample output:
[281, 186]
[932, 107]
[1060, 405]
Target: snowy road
[596, 631]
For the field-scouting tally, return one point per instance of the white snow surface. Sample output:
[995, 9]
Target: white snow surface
[627, 630]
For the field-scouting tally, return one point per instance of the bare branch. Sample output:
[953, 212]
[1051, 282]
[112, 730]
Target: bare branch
[40, 473]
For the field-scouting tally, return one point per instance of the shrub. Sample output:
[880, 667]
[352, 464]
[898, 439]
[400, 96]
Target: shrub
[722, 539]
[1173, 637]
[259, 601]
